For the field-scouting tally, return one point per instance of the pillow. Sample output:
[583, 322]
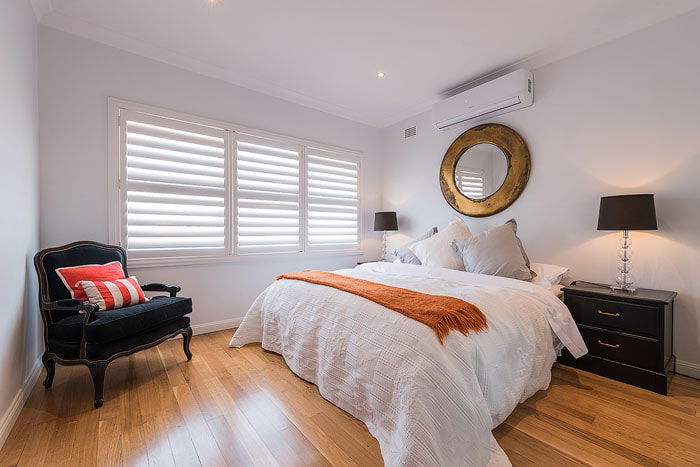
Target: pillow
[405, 255]
[70, 276]
[110, 295]
[496, 252]
[436, 251]
[520, 244]
[548, 275]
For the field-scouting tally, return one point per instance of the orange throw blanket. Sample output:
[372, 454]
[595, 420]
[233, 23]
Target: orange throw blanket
[442, 314]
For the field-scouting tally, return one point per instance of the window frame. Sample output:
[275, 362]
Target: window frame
[117, 191]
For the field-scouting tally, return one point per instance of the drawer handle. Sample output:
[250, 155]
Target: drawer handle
[614, 315]
[614, 346]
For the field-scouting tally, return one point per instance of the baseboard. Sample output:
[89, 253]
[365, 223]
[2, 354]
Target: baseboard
[10, 416]
[688, 369]
[216, 326]
[213, 326]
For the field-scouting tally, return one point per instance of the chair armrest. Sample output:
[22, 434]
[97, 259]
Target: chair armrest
[81, 306]
[158, 287]
[70, 304]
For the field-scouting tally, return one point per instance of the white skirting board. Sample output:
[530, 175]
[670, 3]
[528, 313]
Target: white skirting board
[10, 416]
[214, 326]
[688, 369]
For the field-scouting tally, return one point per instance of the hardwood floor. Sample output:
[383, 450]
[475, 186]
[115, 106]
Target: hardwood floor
[245, 407]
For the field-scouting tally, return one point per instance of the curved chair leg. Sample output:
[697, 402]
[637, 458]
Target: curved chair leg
[50, 366]
[186, 338]
[97, 371]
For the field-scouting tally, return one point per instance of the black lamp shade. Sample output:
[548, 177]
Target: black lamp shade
[384, 221]
[627, 212]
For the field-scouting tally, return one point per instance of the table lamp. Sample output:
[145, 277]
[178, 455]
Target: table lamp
[385, 222]
[626, 212]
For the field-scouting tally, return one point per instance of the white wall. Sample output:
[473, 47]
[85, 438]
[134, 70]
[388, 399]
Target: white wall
[19, 333]
[78, 75]
[620, 118]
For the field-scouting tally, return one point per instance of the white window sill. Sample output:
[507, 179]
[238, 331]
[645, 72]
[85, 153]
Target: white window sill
[139, 263]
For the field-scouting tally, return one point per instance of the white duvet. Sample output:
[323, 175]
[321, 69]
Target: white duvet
[426, 404]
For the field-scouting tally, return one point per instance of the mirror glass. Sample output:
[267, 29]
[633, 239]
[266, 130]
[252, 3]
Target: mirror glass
[481, 170]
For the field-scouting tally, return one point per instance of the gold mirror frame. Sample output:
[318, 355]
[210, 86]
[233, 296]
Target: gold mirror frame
[517, 155]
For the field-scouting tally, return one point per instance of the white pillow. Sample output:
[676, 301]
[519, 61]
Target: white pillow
[436, 250]
[548, 275]
[405, 255]
[496, 252]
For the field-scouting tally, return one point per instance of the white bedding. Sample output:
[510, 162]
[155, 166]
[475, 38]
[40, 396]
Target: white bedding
[425, 403]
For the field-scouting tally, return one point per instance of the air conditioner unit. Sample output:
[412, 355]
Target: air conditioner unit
[505, 94]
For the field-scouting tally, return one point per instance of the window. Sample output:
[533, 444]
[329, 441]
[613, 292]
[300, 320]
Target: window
[268, 196]
[175, 188]
[332, 200]
[192, 190]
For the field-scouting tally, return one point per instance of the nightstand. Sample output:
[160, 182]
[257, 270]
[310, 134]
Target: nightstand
[629, 335]
[372, 261]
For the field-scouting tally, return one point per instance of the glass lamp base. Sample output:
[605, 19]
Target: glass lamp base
[384, 246]
[624, 282]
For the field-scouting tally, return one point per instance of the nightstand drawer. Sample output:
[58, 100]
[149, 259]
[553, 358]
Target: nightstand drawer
[638, 351]
[623, 316]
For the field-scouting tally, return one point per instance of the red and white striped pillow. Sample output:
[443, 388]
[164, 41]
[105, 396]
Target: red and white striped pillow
[110, 295]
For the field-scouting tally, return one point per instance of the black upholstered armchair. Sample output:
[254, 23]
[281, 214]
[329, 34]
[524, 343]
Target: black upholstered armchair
[76, 333]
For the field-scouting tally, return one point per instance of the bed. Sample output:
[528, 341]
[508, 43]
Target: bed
[426, 403]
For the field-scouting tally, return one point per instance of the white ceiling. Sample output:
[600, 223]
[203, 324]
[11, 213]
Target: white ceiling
[326, 54]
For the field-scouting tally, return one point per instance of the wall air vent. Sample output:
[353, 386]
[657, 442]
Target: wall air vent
[408, 132]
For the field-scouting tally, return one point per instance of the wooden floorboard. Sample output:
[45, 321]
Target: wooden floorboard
[245, 407]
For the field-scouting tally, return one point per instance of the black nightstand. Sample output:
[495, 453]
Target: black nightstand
[371, 261]
[629, 335]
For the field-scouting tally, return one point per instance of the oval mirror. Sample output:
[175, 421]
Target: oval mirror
[481, 170]
[484, 170]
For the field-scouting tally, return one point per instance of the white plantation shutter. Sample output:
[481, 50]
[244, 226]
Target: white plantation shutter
[174, 182]
[470, 182]
[332, 181]
[190, 190]
[268, 196]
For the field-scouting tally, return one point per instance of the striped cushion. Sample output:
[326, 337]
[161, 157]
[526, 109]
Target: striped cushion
[110, 295]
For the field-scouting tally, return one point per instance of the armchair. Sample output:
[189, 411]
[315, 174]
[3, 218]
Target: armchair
[77, 333]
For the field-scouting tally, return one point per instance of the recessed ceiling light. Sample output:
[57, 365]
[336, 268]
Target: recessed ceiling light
[380, 74]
